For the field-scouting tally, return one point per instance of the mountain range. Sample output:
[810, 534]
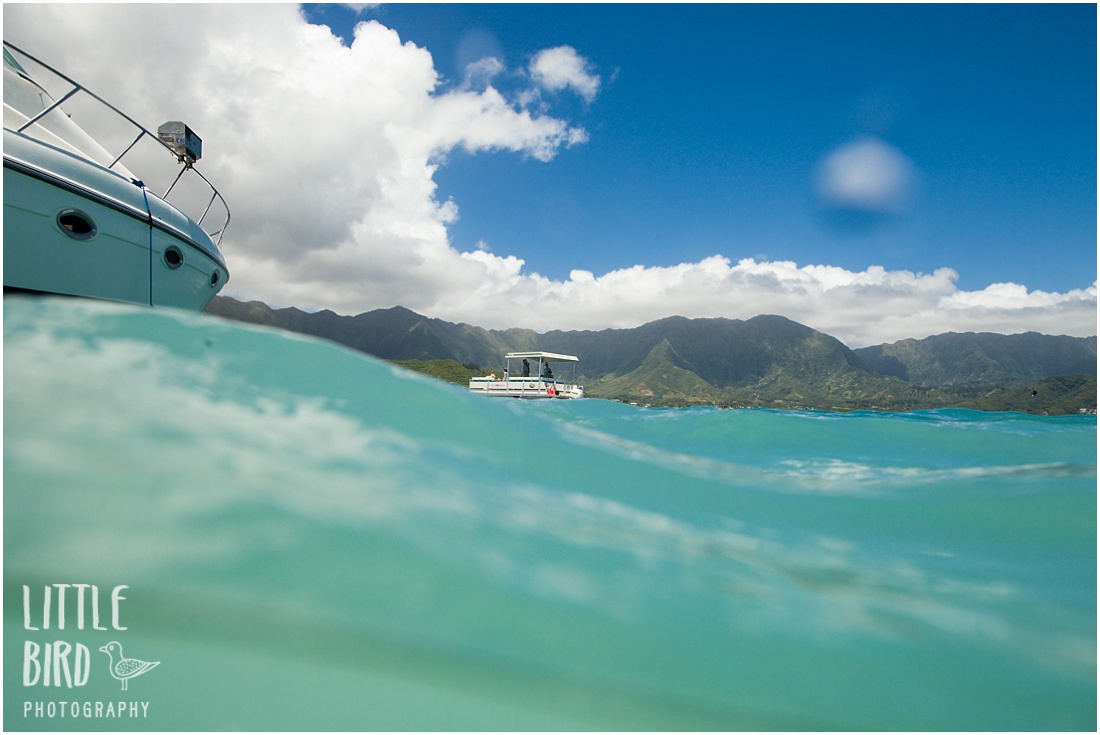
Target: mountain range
[766, 361]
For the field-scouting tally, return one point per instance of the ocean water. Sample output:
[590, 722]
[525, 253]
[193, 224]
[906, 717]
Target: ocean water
[308, 538]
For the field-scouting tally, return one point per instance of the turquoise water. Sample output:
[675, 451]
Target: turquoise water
[312, 539]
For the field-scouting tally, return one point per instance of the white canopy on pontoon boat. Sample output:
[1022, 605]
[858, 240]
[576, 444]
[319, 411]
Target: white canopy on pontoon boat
[541, 356]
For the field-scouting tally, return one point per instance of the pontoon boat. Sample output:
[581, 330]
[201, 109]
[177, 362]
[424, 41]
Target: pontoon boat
[530, 375]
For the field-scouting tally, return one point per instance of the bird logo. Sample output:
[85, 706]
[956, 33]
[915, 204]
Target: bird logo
[125, 669]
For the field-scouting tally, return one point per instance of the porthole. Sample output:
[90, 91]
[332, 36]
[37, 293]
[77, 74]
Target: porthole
[215, 278]
[173, 258]
[76, 224]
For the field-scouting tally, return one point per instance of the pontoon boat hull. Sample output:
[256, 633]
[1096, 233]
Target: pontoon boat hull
[525, 388]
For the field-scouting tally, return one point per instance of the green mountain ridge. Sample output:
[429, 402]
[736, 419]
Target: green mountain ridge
[1057, 395]
[980, 359]
[766, 361]
[663, 377]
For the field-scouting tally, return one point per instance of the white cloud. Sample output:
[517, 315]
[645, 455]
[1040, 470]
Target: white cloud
[480, 73]
[327, 155]
[563, 68]
[859, 308]
[867, 175]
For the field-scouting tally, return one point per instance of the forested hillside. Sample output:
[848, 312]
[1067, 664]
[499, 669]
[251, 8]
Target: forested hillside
[767, 361]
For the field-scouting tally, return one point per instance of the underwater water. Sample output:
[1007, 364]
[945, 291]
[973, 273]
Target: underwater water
[308, 538]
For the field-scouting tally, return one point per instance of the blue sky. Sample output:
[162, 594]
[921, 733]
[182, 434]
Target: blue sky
[873, 171]
[711, 121]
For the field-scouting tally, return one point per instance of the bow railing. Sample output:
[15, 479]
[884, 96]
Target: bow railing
[103, 129]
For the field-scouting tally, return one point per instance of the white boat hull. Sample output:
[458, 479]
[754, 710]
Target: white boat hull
[132, 255]
[525, 388]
